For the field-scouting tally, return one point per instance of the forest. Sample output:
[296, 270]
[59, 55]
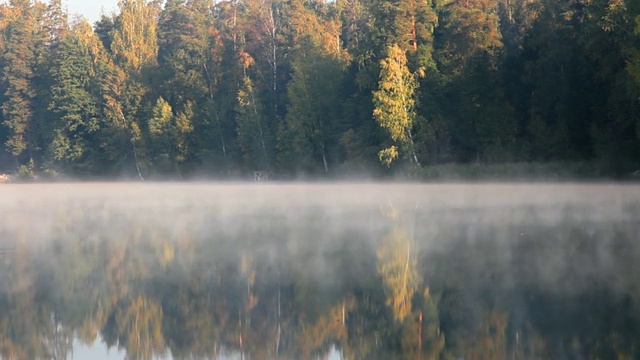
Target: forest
[184, 88]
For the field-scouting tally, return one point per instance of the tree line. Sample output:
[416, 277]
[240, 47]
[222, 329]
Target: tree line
[185, 87]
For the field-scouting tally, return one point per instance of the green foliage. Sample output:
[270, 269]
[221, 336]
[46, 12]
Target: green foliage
[160, 130]
[470, 29]
[634, 67]
[634, 63]
[306, 136]
[160, 123]
[27, 171]
[170, 134]
[21, 45]
[254, 137]
[75, 95]
[319, 87]
[181, 132]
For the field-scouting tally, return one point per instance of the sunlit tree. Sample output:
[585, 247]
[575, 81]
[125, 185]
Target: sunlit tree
[395, 104]
[24, 39]
[134, 43]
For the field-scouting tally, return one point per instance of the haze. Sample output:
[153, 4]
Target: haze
[305, 270]
[363, 207]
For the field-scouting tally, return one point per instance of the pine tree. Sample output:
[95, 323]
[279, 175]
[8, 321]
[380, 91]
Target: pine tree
[409, 23]
[75, 96]
[57, 21]
[189, 60]
[469, 30]
[22, 47]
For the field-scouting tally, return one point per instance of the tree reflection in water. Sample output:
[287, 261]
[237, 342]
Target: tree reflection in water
[365, 279]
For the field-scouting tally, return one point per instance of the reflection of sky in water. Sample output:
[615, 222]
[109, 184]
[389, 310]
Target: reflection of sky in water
[99, 351]
[96, 351]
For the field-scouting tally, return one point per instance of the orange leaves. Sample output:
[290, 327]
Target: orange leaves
[134, 38]
[245, 59]
[397, 266]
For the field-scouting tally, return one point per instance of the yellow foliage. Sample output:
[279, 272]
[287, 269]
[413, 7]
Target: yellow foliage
[398, 268]
[167, 253]
[134, 39]
[141, 321]
[327, 328]
[245, 59]
[387, 156]
[90, 43]
[394, 101]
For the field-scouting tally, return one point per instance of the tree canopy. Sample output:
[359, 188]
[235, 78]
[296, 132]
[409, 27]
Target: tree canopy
[318, 87]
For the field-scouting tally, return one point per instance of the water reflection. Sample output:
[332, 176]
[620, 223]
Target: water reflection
[315, 271]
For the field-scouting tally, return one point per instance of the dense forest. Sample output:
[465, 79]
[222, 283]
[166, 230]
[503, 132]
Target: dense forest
[169, 89]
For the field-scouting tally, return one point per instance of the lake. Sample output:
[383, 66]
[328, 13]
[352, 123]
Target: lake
[319, 271]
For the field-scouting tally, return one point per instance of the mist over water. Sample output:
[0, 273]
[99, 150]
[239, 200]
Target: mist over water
[294, 271]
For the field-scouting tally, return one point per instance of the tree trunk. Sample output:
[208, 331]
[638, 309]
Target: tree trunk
[413, 151]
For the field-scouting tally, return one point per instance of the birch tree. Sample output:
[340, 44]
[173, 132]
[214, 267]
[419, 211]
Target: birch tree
[395, 104]
[134, 49]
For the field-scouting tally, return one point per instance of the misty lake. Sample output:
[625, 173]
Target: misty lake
[319, 271]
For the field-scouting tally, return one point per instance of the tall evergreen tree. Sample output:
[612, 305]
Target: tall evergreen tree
[610, 44]
[189, 63]
[468, 30]
[22, 47]
[76, 100]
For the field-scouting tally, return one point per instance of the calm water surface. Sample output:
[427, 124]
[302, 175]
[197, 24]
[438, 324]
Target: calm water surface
[319, 271]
